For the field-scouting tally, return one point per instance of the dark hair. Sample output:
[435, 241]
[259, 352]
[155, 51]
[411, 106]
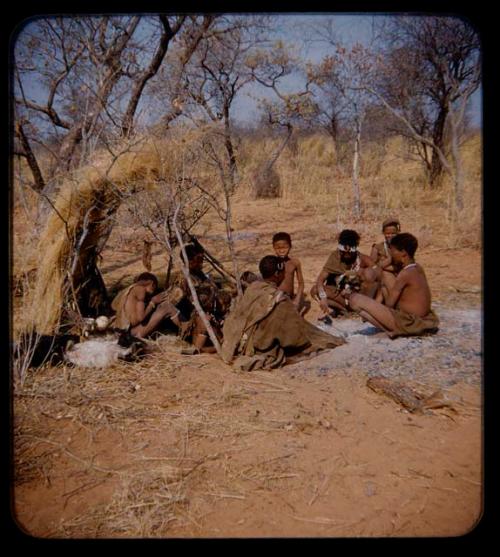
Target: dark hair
[349, 238]
[269, 265]
[405, 241]
[391, 222]
[147, 277]
[282, 236]
[192, 250]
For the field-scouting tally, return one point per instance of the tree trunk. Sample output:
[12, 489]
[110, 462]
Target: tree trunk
[151, 71]
[355, 173]
[233, 169]
[230, 242]
[334, 133]
[436, 170]
[39, 182]
[458, 178]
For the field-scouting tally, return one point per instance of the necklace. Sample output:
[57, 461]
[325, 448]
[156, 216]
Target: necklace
[410, 265]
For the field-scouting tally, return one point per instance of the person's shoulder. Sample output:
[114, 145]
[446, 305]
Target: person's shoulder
[138, 290]
[294, 262]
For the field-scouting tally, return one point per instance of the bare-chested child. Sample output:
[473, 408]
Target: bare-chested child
[282, 244]
[382, 256]
[346, 259]
[407, 309]
[140, 311]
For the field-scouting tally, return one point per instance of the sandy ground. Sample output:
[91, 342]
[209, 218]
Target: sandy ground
[182, 446]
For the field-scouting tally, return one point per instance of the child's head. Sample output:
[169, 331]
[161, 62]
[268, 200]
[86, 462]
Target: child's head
[282, 243]
[272, 268]
[404, 242]
[390, 227]
[149, 281]
[348, 245]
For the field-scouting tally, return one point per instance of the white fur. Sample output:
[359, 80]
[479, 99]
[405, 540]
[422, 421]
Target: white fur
[97, 353]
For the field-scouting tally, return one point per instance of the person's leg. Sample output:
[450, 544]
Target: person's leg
[377, 314]
[200, 336]
[335, 300]
[388, 280]
[162, 311]
[370, 282]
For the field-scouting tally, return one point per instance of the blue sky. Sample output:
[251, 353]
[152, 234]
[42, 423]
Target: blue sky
[349, 29]
[298, 31]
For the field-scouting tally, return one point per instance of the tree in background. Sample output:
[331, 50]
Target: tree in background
[285, 111]
[344, 75]
[426, 74]
[78, 82]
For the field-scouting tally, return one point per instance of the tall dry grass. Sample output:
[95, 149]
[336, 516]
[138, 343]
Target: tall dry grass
[392, 182]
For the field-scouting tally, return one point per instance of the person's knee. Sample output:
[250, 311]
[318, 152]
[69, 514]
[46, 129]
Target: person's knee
[167, 308]
[314, 291]
[370, 275]
[356, 301]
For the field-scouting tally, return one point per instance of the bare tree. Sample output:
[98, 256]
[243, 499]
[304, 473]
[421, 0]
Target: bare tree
[285, 112]
[429, 69]
[347, 71]
[90, 75]
[216, 74]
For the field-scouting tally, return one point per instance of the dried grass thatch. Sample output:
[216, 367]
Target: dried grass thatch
[77, 230]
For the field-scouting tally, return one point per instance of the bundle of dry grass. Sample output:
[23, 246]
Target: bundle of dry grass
[77, 230]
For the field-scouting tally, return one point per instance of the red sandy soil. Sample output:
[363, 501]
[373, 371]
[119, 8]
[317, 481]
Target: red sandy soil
[182, 446]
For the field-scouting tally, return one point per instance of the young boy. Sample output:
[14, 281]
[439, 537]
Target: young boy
[139, 311]
[381, 255]
[282, 244]
[346, 259]
[407, 309]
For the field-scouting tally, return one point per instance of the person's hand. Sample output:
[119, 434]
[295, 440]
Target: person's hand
[159, 298]
[346, 292]
[323, 304]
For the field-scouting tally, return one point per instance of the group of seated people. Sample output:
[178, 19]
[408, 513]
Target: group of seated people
[266, 326]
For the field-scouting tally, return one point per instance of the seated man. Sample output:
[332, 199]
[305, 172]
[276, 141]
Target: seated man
[382, 257]
[264, 329]
[407, 310]
[214, 302]
[346, 259]
[139, 311]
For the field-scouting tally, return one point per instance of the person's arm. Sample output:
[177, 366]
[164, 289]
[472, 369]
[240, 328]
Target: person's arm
[374, 253]
[367, 261]
[300, 283]
[395, 292]
[140, 308]
[386, 263]
[323, 303]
